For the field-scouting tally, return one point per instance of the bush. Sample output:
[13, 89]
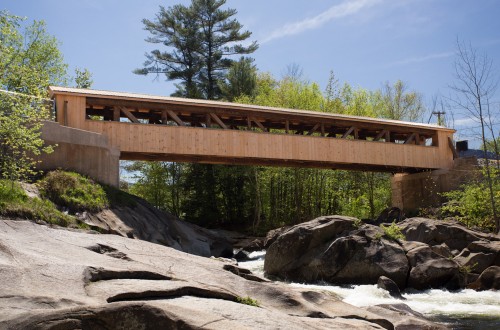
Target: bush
[471, 204]
[16, 204]
[393, 232]
[247, 301]
[73, 191]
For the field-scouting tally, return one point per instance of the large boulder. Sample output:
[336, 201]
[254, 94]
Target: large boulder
[488, 280]
[431, 270]
[61, 279]
[331, 249]
[435, 232]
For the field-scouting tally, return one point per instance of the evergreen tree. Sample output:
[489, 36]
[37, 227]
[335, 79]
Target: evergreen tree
[241, 79]
[199, 39]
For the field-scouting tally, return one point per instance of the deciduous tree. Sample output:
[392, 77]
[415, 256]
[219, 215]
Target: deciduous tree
[474, 86]
[29, 61]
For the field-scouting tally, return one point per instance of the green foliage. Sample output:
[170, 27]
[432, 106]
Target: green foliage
[20, 142]
[73, 191]
[248, 301]
[16, 204]
[399, 103]
[29, 58]
[393, 232]
[158, 183]
[29, 61]
[358, 223]
[199, 39]
[241, 79]
[83, 78]
[471, 203]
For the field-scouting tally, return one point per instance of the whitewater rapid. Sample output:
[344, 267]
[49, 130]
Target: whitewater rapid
[437, 304]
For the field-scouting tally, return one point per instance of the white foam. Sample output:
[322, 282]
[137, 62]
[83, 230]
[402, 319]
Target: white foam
[432, 302]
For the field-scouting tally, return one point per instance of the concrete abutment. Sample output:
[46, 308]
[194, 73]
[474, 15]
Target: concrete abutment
[411, 192]
[82, 151]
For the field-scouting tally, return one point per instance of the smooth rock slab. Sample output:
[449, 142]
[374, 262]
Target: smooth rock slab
[55, 278]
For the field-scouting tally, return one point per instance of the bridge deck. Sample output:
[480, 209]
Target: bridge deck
[147, 127]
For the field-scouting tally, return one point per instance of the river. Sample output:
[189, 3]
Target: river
[464, 309]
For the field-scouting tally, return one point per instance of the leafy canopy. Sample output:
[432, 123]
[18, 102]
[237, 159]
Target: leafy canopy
[29, 61]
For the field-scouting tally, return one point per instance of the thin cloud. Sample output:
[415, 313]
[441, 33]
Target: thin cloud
[465, 122]
[420, 59]
[347, 8]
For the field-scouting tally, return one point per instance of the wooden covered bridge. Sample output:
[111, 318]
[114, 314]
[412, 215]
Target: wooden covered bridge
[144, 127]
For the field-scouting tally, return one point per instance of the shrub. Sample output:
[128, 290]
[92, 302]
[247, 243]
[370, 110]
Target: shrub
[471, 204]
[393, 232]
[248, 301]
[73, 191]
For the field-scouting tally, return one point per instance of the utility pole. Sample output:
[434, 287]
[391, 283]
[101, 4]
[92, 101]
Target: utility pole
[439, 114]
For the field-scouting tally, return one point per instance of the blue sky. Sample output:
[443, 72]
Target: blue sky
[365, 42]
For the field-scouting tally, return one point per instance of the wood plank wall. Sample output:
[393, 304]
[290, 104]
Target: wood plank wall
[218, 145]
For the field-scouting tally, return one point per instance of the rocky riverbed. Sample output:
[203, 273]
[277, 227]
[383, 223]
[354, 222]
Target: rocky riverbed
[61, 279]
[416, 253]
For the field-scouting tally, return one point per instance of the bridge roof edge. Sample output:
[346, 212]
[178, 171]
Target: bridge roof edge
[57, 90]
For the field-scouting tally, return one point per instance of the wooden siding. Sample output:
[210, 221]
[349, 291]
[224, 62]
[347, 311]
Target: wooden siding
[234, 146]
[149, 142]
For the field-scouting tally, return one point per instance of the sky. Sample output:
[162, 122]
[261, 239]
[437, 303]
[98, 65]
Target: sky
[365, 42]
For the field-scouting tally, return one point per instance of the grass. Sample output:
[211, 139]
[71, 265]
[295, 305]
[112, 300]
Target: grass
[248, 301]
[73, 191]
[60, 190]
[393, 232]
[16, 204]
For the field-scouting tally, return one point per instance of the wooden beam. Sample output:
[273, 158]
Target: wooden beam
[380, 134]
[129, 115]
[175, 118]
[287, 126]
[259, 124]
[116, 114]
[410, 138]
[314, 129]
[65, 113]
[349, 131]
[452, 147]
[209, 120]
[218, 121]
[417, 139]
[322, 129]
[164, 117]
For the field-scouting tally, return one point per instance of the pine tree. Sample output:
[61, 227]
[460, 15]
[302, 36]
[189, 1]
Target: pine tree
[200, 39]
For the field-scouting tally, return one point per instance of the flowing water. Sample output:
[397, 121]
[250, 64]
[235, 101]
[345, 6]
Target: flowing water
[464, 309]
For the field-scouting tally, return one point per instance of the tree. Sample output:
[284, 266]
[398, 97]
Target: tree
[474, 86]
[83, 78]
[241, 79]
[199, 39]
[29, 61]
[399, 103]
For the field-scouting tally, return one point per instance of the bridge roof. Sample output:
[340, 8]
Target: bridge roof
[198, 103]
